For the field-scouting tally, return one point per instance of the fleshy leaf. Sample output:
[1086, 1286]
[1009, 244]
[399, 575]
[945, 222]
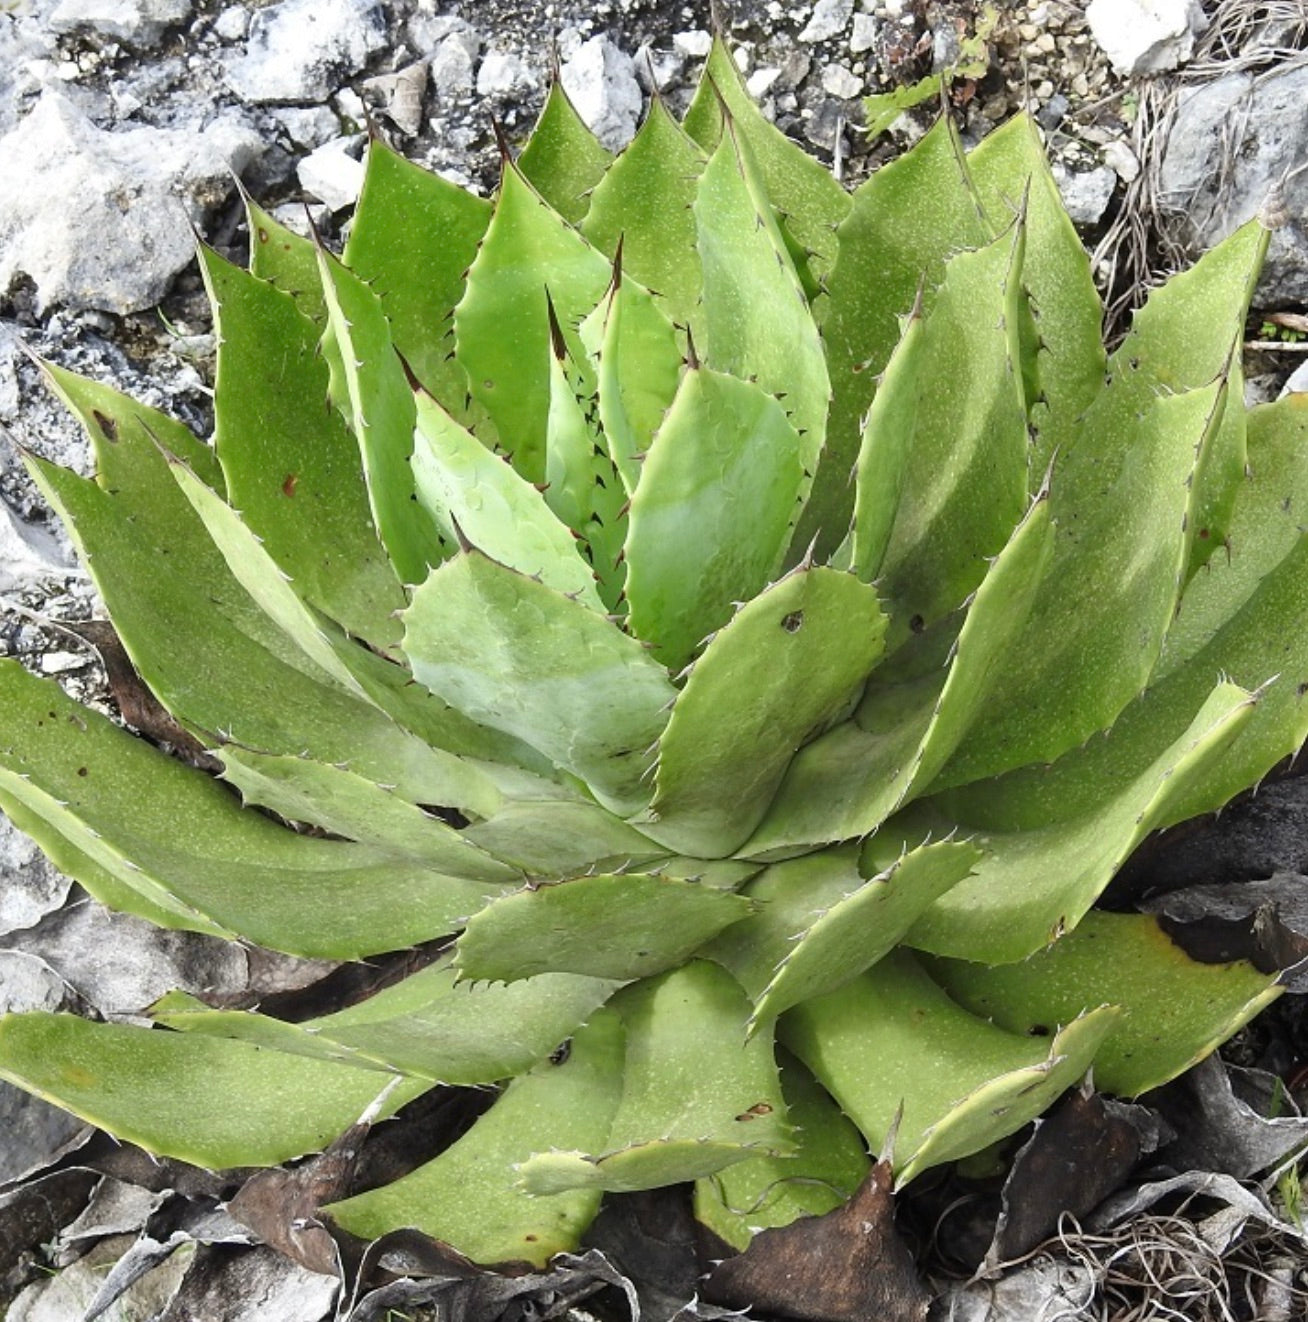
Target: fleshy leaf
[1174, 1010]
[625, 926]
[696, 1097]
[288, 260]
[775, 675]
[562, 839]
[563, 160]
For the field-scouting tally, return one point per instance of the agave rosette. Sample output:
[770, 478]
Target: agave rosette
[702, 594]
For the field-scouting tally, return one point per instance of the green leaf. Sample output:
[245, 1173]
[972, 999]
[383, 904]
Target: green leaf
[291, 466]
[1032, 886]
[502, 324]
[285, 259]
[785, 666]
[382, 412]
[905, 221]
[827, 1166]
[756, 319]
[609, 926]
[119, 801]
[473, 494]
[643, 206]
[821, 922]
[412, 239]
[563, 160]
[805, 194]
[847, 781]
[562, 839]
[1174, 1010]
[214, 1102]
[947, 434]
[467, 1197]
[710, 520]
[695, 1098]
[513, 654]
[892, 1038]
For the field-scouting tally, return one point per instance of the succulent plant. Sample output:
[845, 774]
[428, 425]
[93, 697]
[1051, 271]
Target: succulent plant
[750, 622]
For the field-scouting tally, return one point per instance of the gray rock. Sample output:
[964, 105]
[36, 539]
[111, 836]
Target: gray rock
[451, 68]
[864, 34]
[695, 43]
[1231, 143]
[303, 50]
[601, 81]
[334, 173]
[1298, 381]
[30, 887]
[829, 19]
[137, 23]
[29, 556]
[232, 24]
[399, 95]
[1146, 36]
[1085, 193]
[842, 82]
[502, 73]
[307, 126]
[103, 220]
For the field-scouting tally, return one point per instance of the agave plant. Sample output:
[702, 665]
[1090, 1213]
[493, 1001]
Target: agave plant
[751, 622]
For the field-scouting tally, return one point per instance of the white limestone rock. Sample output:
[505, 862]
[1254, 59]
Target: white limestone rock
[601, 81]
[138, 23]
[1146, 36]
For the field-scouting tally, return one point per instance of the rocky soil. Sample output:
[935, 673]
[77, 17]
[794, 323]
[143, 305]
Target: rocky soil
[124, 128]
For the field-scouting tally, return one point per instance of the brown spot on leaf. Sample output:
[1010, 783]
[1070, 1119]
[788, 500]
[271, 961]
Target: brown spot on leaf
[758, 1109]
[263, 234]
[793, 622]
[108, 427]
[289, 483]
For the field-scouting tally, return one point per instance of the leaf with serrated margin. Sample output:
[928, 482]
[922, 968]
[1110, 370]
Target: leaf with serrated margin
[285, 259]
[474, 494]
[756, 320]
[561, 839]
[563, 160]
[892, 1038]
[821, 921]
[696, 1096]
[828, 1164]
[382, 413]
[530, 254]
[1119, 501]
[805, 194]
[906, 220]
[1032, 886]
[1010, 171]
[412, 239]
[785, 665]
[955, 428]
[643, 204]
[466, 1197]
[212, 1102]
[847, 781]
[624, 926]
[119, 800]
[710, 520]
[1241, 616]
[513, 654]
[1174, 1010]
[292, 468]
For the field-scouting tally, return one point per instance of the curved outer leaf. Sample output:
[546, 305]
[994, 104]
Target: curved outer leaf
[562, 839]
[608, 926]
[643, 204]
[1011, 175]
[695, 1098]
[382, 412]
[501, 324]
[210, 1101]
[1032, 886]
[847, 781]
[430, 1026]
[786, 665]
[810, 201]
[893, 1039]
[951, 418]
[515, 655]
[471, 493]
[710, 520]
[757, 323]
[463, 1198]
[1120, 501]
[412, 239]
[563, 160]
[119, 800]
[828, 1164]
[291, 466]
[1241, 617]
[1174, 1010]
[904, 222]
[822, 922]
